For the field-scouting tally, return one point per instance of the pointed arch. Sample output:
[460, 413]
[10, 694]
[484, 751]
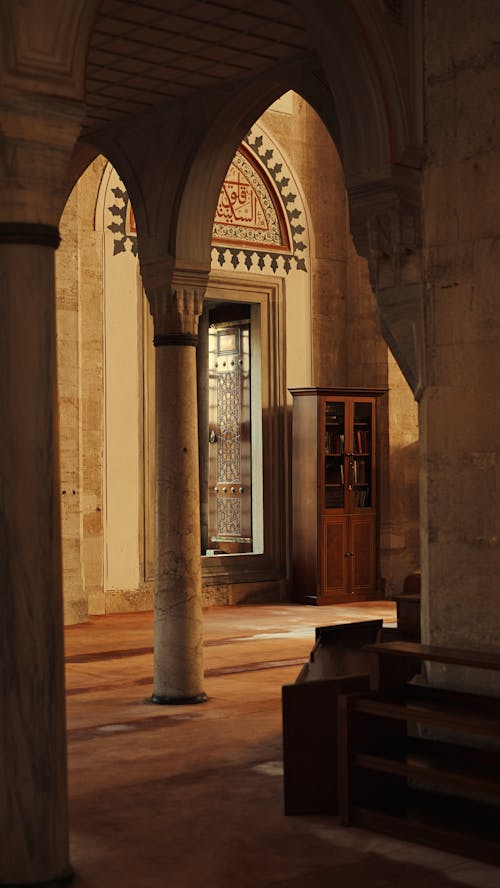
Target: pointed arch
[226, 131]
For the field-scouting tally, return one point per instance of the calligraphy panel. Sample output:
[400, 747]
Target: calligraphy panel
[246, 211]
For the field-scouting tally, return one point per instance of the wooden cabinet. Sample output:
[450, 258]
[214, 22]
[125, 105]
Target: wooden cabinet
[334, 494]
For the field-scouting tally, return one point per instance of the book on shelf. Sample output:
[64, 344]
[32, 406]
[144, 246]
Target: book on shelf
[334, 497]
[334, 442]
[362, 441]
[334, 471]
[359, 471]
[361, 499]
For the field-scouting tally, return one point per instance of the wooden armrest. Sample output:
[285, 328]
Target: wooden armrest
[483, 659]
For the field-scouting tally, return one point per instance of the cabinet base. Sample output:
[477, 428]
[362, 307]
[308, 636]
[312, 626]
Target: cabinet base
[335, 599]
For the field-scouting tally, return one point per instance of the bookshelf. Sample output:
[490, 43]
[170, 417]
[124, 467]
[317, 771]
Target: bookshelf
[334, 494]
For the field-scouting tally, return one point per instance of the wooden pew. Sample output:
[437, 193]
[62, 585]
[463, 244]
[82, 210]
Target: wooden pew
[338, 664]
[422, 762]
[310, 743]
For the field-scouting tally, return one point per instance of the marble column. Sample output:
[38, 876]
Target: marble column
[176, 302]
[37, 138]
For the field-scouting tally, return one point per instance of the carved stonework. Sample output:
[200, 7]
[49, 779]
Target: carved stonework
[175, 298]
[396, 271]
[175, 314]
[395, 246]
[387, 230]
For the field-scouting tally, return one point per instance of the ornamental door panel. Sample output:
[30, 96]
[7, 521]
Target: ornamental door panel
[229, 435]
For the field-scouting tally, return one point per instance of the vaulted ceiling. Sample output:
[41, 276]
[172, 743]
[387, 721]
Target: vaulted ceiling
[143, 54]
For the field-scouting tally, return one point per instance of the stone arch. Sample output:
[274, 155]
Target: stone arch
[225, 132]
[378, 113]
[371, 115]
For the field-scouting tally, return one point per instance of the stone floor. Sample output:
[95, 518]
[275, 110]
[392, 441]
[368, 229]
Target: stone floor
[192, 796]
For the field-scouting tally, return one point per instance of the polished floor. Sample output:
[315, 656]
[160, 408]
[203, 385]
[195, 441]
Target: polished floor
[193, 796]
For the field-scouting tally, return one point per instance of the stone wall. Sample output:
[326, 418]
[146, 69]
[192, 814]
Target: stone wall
[460, 408]
[80, 382]
[70, 413]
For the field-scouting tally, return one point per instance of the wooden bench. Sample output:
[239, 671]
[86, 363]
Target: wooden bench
[338, 664]
[422, 762]
[310, 733]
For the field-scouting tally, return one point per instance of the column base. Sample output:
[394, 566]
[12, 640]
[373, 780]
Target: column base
[56, 882]
[165, 700]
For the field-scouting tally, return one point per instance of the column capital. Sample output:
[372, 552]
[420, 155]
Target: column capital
[175, 293]
[387, 229]
[385, 218]
[37, 138]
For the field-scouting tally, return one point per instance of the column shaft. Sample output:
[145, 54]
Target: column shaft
[178, 670]
[33, 806]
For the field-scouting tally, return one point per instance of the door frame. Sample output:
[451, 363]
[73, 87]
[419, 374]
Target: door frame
[268, 562]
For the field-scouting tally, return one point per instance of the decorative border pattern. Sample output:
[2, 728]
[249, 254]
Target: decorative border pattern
[268, 155]
[119, 209]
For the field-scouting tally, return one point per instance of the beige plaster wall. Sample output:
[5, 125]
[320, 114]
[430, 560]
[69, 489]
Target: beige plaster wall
[123, 406]
[99, 343]
[460, 408]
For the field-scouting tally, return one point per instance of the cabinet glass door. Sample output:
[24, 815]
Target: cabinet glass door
[334, 450]
[360, 460]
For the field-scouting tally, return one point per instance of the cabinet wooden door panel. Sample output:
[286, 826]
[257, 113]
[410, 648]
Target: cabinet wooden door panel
[334, 547]
[362, 559]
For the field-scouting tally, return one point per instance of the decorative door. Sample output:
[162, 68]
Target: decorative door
[229, 435]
